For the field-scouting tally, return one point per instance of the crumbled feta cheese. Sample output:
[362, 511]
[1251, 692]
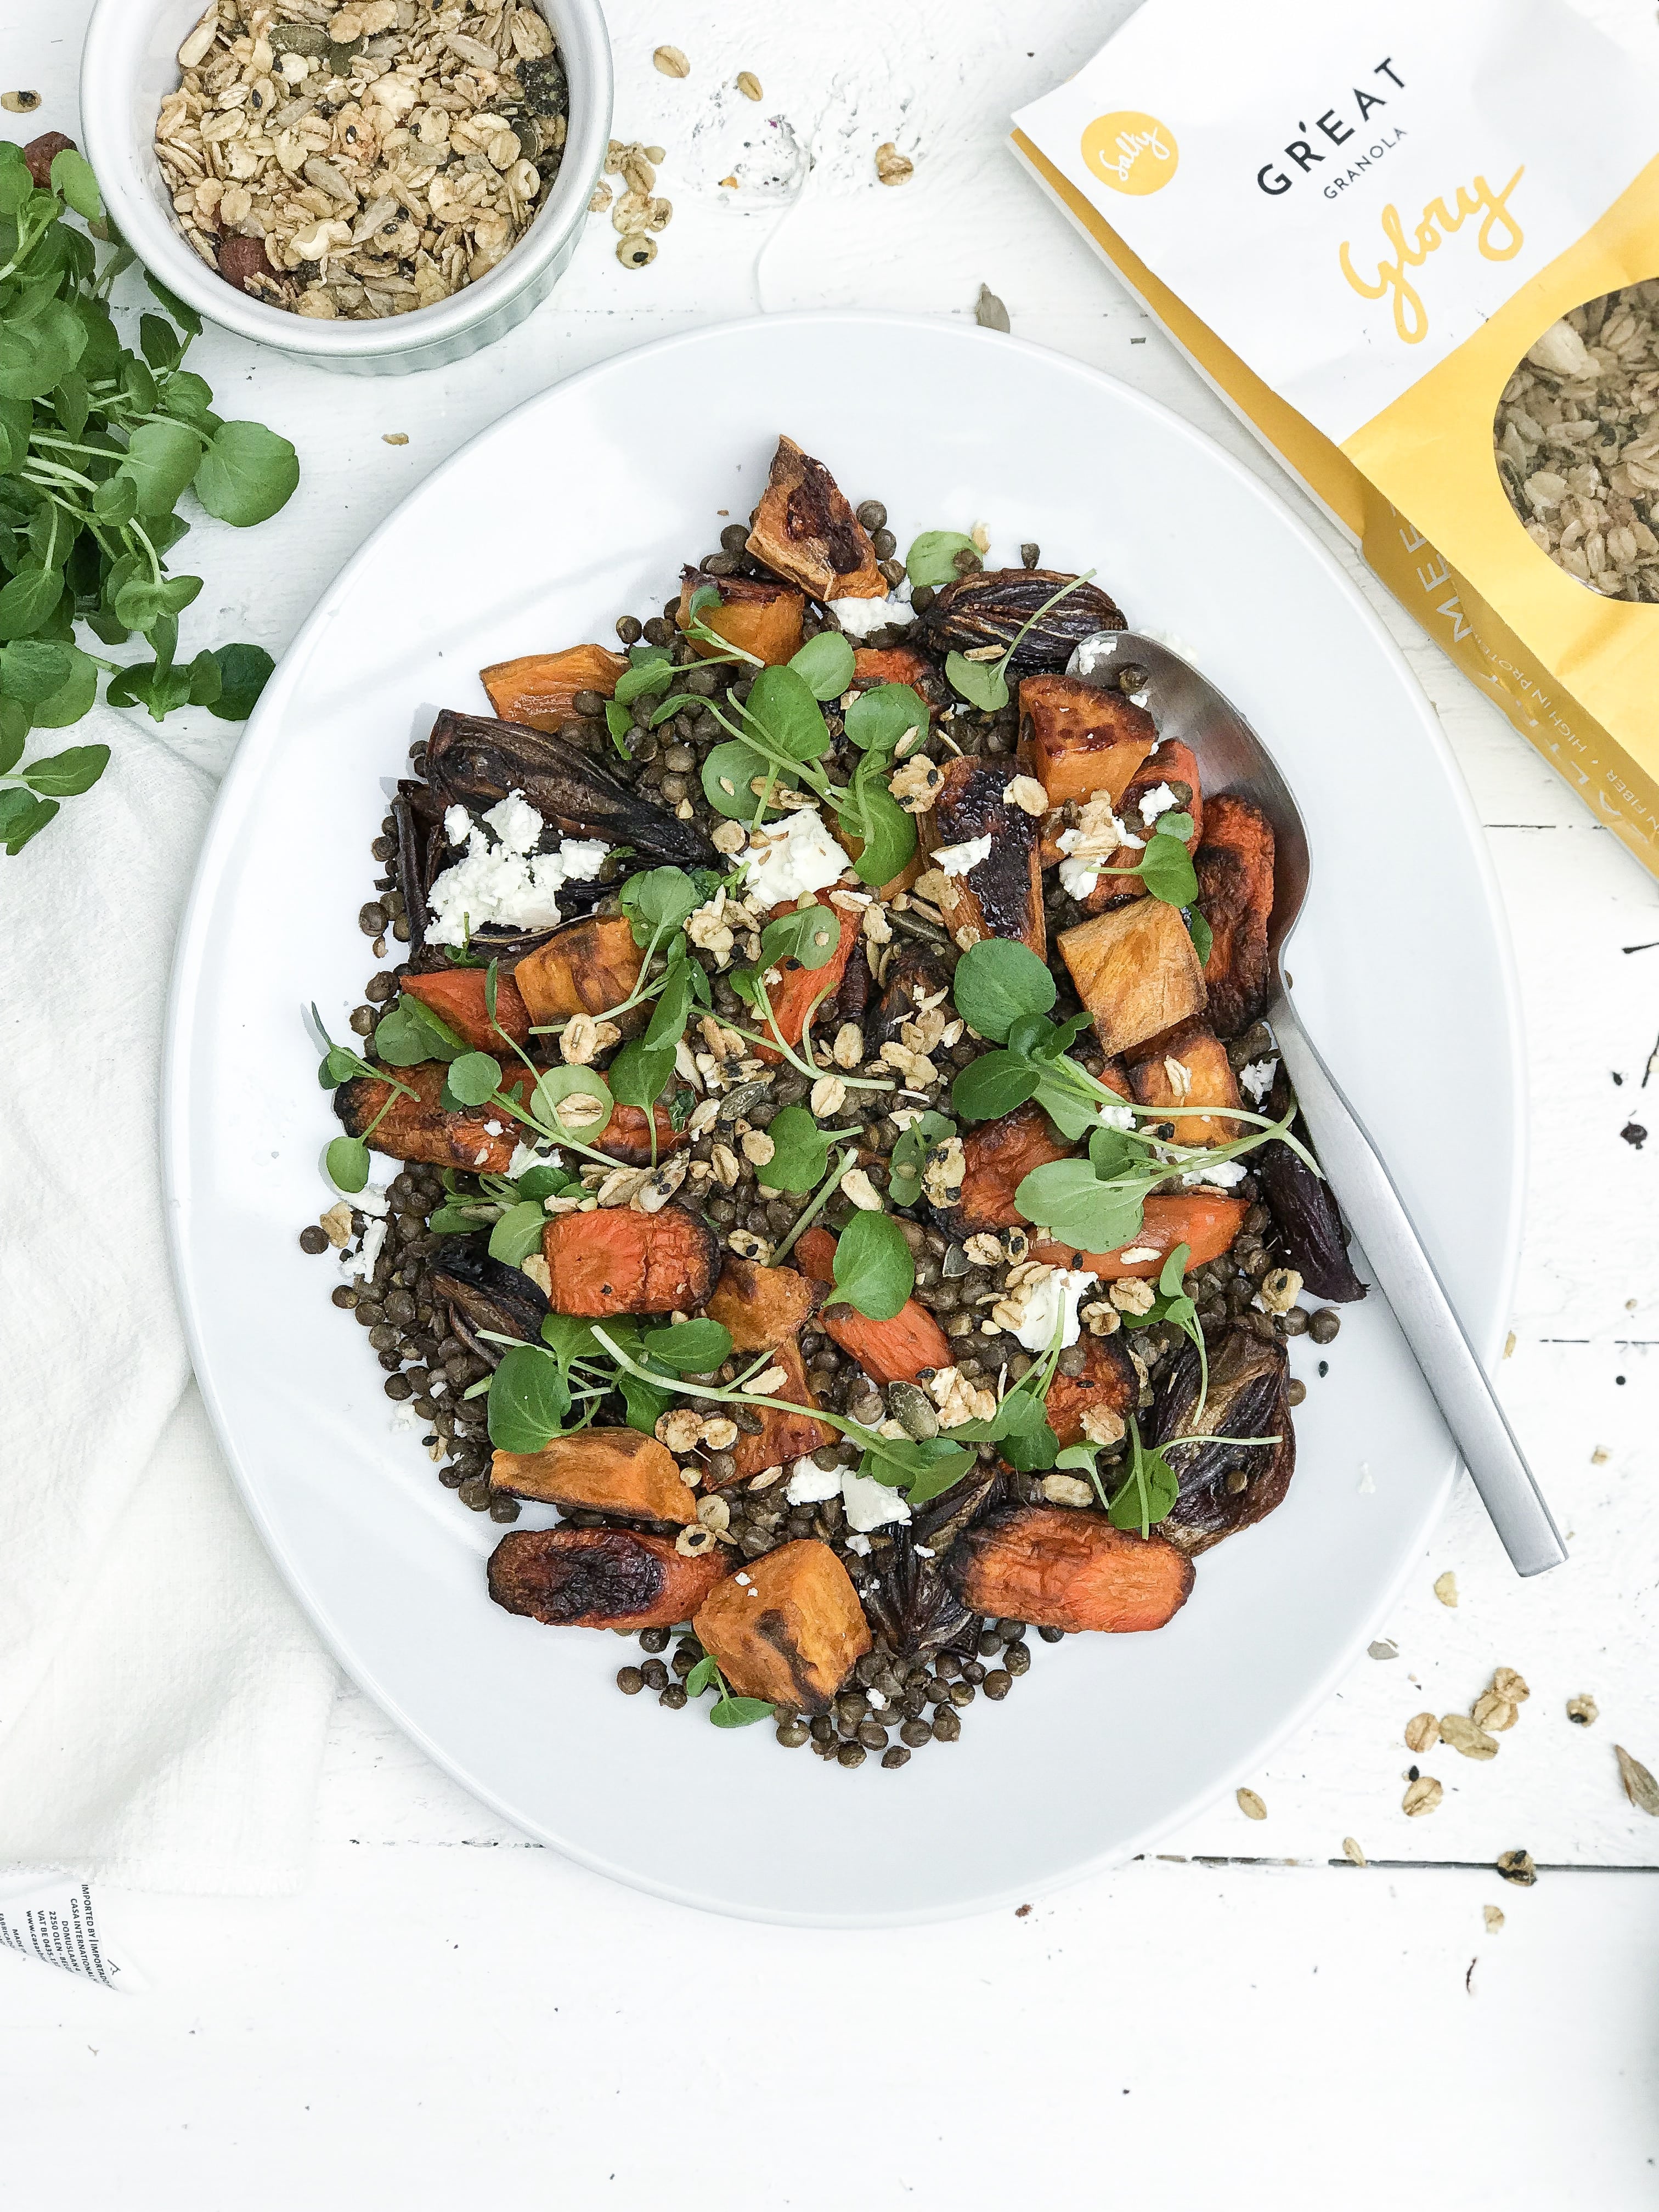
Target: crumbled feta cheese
[878, 1703]
[457, 824]
[583, 857]
[790, 857]
[360, 1265]
[1256, 1080]
[924, 1550]
[494, 1129]
[525, 1157]
[492, 884]
[960, 860]
[516, 823]
[1156, 802]
[1222, 1177]
[1116, 1117]
[861, 1545]
[372, 1201]
[858, 617]
[1053, 1299]
[1133, 1255]
[869, 1503]
[810, 1483]
[1077, 877]
[406, 1421]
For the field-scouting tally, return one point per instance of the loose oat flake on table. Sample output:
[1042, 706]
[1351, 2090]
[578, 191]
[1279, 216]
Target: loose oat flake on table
[763, 1213]
[365, 160]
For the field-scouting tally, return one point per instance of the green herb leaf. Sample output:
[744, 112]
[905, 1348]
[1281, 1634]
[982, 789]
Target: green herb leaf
[1202, 936]
[880, 720]
[740, 1713]
[529, 1400]
[347, 1160]
[246, 474]
[870, 813]
[811, 937]
[657, 900]
[701, 1676]
[644, 680]
[161, 458]
[932, 558]
[801, 1152]
[782, 706]
[28, 600]
[641, 1072]
[689, 1347]
[644, 1403]
[1149, 1490]
[993, 1085]
[473, 1078]
[33, 669]
[72, 178]
[557, 1085]
[981, 683]
[875, 1271]
[728, 774]
[545, 1181]
[186, 318]
[22, 818]
[1167, 867]
[997, 980]
[67, 774]
[1069, 1199]
[672, 1009]
[824, 665]
[244, 671]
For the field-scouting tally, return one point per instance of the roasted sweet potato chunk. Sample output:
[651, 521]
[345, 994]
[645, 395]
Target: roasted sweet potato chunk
[456, 996]
[999, 1155]
[1108, 1384]
[760, 1307]
[1135, 970]
[782, 1438]
[792, 1632]
[1205, 1223]
[617, 1262]
[793, 998]
[804, 529]
[890, 664]
[1078, 740]
[601, 1577]
[585, 968]
[1234, 865]
[1002, 894]
[1171, 764]
[753, 613]
[605, 1470]
[896, 1350]
[1060, 1568]
[420, 1129]
[1183, 1067]
[539, 689]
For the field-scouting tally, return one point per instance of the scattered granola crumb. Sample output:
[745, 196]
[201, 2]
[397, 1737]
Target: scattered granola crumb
[394, 437]
[1422, 1732]
[1640, 1785]
[1421, 1795]
[892, 167]
[1509, 1346]
[1352, 1852]
[1600, 1456]
[748, 84]
[1518, 1866]
[20, 103]
[671, 62]
[1584, 1709]
[1446, 1588]
[1494, 1917]
[1251, 1806]
[1021, 1911]
[1465, 1737]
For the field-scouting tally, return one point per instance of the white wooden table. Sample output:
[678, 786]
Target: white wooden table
[1247, 2019]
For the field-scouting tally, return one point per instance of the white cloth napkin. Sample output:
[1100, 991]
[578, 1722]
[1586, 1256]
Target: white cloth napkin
[162, 1701]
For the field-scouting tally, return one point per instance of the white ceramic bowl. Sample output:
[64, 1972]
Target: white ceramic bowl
[130, 64]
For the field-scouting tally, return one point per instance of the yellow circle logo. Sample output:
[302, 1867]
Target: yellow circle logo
[1133, 153]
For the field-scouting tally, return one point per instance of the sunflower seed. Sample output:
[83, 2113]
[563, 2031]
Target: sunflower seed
[1251, 1806]
[1640, 1785]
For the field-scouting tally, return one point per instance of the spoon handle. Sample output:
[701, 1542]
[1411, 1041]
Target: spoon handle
[1418, 1297]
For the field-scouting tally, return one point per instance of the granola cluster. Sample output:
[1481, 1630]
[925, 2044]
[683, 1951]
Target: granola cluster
[363, 161]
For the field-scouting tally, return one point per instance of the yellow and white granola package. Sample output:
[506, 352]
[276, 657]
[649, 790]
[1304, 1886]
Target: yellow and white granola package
[1417, 247]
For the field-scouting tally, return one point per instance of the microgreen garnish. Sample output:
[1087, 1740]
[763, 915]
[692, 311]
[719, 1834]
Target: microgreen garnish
[97, 445]
[932, 557]
[875, 1269]
[726, 1711]
[909, 1156]
[347, 1158]
[1173, 1304]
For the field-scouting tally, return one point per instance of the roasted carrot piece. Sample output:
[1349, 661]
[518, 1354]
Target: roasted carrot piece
[760, 1307]
[1205, 1224]
[1171, 763]
[1234, 864]
[626, 1137]
[540, 688]
[617, 1262]
[1183, 1067]
[1108, 1384]
[601, 1577]
[456, 996]
[792, 1631]
[420, 1129]
[793, 998]
[753, 613]
[1079, 740]
[998, 1157]
[1059, 1568]
[586, 968]
[606, 1470]
[889, 664]
[782, 1439]
[806, 530]
[1135, 970]
[896, 1350]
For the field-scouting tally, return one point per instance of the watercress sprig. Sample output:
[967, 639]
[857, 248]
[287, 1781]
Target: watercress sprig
[726, 1711]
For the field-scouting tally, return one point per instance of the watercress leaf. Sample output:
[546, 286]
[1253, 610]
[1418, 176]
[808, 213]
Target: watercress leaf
[158, 341]
[699, 1677]
[981, 683]
[1067, 1197]
[474, 1078]
[888, 833]
[992, 1085]
[997, 980]
[1202, 936]
[824, 664]
[706, 595]
[245, 474]
[22, 818]
[518, 1233]
[411, 1033]
[1019, 1415]
[643, 681]
[28, 600]
[875, 1271]
[66, 775]
[1148, 1491]
[1167, 870]
[17, 421]
[644, 1404]
[1173, 1274]
[161, 458]
[801, 1152]
[676, 702]
[672, 1009]
[657, 900]
[72, 403]
[640, 1073]
[740, 1713]
[810, 937]
[1075, 1114]
[933, 557]
[879, 719]
[1082, 1456]
[620, 723]
[14, 725]
[39, 347]
[529, 1399]
[15, 182]
[689, 1347]
[244, 671]
[72, 178]
[347, 1160]
[782, 706]
[943, 1473]
[1113, 1152]
[559, 1085]
[188, 399]
[186, 318]
[571, 1339]
[1030, 1033]
[141, 604]
[543, 1181]
[116, 500]
[33, 669]
[1029, 1451]
[205, 680]
[728, 773]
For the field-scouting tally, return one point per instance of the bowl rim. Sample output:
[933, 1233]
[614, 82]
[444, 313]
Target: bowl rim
[114, 36]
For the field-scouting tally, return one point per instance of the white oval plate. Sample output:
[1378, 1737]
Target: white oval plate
[580, 506]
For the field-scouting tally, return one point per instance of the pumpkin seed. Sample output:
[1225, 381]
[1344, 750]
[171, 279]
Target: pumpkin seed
[1494, 1917]
[1519, 1867]
[988, 311]
[1352, 1852]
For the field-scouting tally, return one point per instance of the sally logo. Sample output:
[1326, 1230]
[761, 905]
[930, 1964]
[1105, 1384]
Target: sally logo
[1133, 153]
[1500, 238]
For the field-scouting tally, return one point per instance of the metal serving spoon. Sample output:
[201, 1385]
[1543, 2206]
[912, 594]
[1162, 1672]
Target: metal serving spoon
[1186, 705]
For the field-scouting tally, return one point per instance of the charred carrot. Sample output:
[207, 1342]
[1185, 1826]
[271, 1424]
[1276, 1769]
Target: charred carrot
[1058, 1568]
[540, 689]
[896, 1350]
[601, 1577]
[1207, 1225]
[782, 1439]
[792, 996]
[456, 996]
[616, 1261]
